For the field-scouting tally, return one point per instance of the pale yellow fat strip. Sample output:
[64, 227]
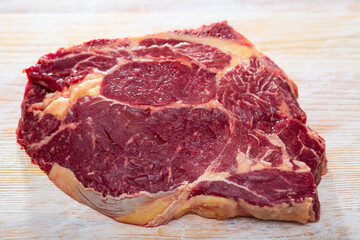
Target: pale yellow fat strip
[59, 103]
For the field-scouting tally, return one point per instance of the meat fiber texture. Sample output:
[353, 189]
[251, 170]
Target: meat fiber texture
[147, 129]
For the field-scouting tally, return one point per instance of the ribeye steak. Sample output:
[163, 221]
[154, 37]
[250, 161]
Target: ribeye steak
[147, 129]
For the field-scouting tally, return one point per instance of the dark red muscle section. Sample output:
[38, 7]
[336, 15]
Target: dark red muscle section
[303, 145]
[211, 58]
[256, 93]
[219, 30]
[34, 93]
[33, 119]
[145, 152]
[56, 71]
[159, 83]
[173, 113]
[264, 188]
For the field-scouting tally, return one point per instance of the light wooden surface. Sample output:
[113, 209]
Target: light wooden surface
[316, 43]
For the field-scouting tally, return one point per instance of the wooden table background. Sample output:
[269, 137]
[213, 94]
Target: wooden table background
[316, 42]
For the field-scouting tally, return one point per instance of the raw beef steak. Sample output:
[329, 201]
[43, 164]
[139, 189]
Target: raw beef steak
[147, 129]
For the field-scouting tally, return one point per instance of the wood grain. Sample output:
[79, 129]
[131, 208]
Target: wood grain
[320, 51]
